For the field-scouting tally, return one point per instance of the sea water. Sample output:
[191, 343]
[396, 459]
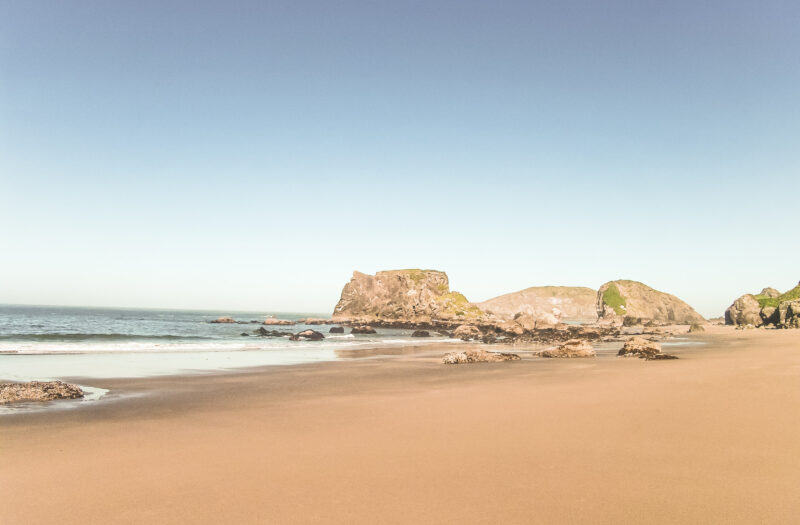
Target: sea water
[53, 342]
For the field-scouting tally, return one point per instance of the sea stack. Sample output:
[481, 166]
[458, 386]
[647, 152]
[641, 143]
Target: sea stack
[403, 296]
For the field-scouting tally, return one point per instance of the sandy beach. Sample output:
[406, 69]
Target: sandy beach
[711, 437]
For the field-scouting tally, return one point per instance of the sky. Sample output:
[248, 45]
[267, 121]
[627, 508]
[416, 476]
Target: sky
[251, 155]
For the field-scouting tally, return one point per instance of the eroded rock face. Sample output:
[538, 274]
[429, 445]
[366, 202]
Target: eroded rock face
[38, 391]
[560, 303]
[571, 348]
[744, 310]
[224, 320]
[620, 299]
[477, 356]
[411, 296]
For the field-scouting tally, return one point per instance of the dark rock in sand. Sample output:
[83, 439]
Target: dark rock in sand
[38, 391]
[337, 329]
[362, 329]
[421, 333]
[643, 349]
[310, 335]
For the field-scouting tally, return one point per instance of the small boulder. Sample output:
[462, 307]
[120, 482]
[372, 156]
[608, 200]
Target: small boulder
[467, 332]
[696, 328]
[38, 391]
[571, 348]
[640, 347]
[362, 329]
[421, 333]
[224, 320]
[245, 334]
[336, 330]
[477, 356]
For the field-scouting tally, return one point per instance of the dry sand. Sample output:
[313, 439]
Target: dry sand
[711, 438]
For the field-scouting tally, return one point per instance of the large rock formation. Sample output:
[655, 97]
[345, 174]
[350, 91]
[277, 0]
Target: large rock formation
[622, 299]
[768, 308]
[405, 296]
[564, 303]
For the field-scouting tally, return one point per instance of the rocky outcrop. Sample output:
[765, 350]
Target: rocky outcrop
[38, 391]
[555, 303]
[224, 320]
[421, 333]
[336, 330]
[643, 349]
[403, 296]
[744, 310]
[477, 356]
[769, 308]
[280, 322]
[620, 299]
[468, 332]
[362, 329]
[571, 348]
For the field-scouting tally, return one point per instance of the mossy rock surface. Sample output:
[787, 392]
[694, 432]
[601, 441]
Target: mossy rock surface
[614, 299]
[774, 302]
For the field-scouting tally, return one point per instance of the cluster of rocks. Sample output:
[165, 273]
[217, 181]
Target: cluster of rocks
[643, 349]
[768, 309]
[38, 391]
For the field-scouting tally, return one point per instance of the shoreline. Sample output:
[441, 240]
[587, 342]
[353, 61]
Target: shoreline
[708, 437]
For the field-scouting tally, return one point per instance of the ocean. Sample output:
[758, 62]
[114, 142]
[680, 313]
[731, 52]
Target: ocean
[55, 342]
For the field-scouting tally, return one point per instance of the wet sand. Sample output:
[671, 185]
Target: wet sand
[711, 437]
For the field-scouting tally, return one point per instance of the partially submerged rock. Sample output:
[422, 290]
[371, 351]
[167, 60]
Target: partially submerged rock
[571, 348]
[38, 391]
[336, 330]
[421, 333]
[362, 329]
[477, 356]
[263, 332]
[281, 322]
[310, 335]
[224, 320]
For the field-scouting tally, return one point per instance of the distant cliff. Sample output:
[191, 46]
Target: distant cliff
[632, 299]
[411, 296]
[567, 303]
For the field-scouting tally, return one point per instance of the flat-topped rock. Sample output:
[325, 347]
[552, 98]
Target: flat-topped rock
[362, 329]
[280, 322]
[477, 356]
[38, 391]
[224, 320]
[571, 348]
[621, 299]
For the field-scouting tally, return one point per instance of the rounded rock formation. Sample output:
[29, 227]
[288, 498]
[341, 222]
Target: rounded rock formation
[620, 299]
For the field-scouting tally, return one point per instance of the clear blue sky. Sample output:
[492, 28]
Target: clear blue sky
[251, 155]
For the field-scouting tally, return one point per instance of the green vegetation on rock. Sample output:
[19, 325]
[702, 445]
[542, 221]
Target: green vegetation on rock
[791, 295]
[614, 299]
[459, 305]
